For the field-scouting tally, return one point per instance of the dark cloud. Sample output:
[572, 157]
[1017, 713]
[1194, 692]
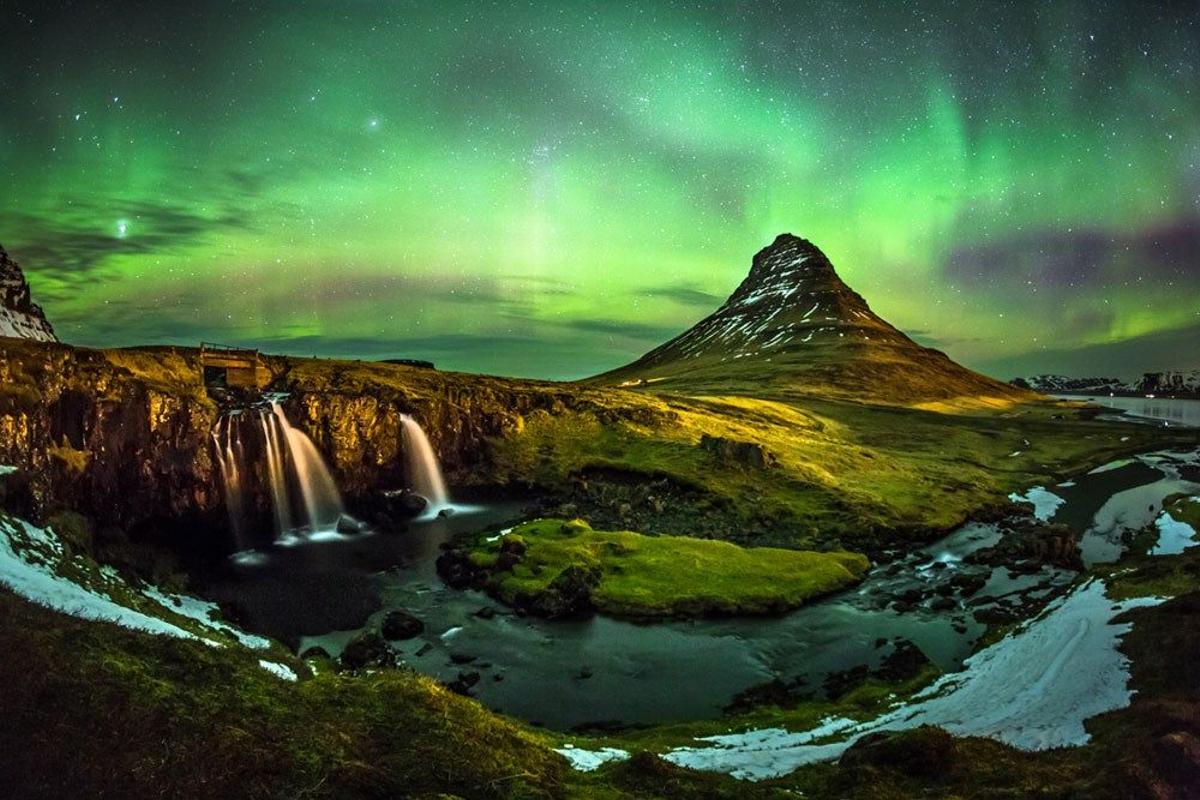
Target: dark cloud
[1066, 260]
[646, 332]
[687, 295]
[1174, 349]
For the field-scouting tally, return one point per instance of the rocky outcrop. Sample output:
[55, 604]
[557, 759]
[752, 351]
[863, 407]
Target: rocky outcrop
[731, 452]
[20, 317]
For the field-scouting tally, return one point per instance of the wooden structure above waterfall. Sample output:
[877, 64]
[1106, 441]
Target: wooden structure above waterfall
[233, 367]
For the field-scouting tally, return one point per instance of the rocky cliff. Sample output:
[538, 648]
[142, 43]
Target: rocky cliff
[19, 316]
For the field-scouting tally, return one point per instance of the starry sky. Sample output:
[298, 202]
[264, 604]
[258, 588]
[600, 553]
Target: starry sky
[551, 189]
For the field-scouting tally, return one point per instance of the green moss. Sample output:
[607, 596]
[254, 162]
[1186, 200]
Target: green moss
[651, 576]
[95, 710]
[75, 461]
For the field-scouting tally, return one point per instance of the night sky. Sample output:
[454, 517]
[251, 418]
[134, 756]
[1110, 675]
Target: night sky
[551, 190]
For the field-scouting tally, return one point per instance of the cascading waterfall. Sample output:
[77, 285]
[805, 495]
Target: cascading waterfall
[303, 496]
[224, 436]
[321, 500]
[423, 468]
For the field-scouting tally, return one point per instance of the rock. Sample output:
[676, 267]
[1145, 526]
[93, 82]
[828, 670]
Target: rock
[487, 612]
[464, 682]
[730, 451]
[425, 648]
[585, 672]
[367, 649]
[19, 316]
[456, 569]
[904, 662]
[445, 512]
[404, 502]
[461, 658]
[348, 525]
[569, 594]
[943, 604]
[968, 584]
[314, 652]
[922, 752]
[401, 625]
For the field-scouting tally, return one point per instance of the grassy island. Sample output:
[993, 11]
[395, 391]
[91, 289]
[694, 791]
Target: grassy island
[631, 574]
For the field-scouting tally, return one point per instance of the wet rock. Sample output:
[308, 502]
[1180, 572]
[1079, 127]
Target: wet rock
[461, 658]
[404, 502]
[487, 612]
[367, 649]
[943, 604]
[456, 569]
[784, 694]
[348, 525]
[425, 648]
[968, 584]
[401, 625]
[585, 672]
[904, 662]
[464, 683]
[922, 752]
[445, 512]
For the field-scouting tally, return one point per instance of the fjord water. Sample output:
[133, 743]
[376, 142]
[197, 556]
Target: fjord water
[566, 674]
[1178, 412]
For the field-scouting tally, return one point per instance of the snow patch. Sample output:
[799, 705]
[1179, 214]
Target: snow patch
[1032, 690]
[202, 611]
[589, 760]
[279, 670]
[1045, 503]
[30, 573]
[1173, 536]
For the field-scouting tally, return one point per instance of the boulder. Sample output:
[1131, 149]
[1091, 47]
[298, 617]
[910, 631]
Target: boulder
[401, 625]
[367, 649]
[731, 451]
[404, 502]
[569, 594]
[923, 752]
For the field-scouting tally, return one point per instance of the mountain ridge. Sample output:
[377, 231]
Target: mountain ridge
[792, 326]
[20, 317]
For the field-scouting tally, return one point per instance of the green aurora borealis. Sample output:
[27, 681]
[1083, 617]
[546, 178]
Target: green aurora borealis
[551, 190]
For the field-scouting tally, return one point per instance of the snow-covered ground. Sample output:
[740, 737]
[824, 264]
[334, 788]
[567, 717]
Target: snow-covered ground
[1173, 536]
[1032, 689]
[32, 558]
[1045, 503]
[31, 574]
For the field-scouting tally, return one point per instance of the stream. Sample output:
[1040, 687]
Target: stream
[608, 672]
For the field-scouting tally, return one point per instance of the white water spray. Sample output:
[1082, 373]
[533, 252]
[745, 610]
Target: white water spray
[304, 497]
[423, 468]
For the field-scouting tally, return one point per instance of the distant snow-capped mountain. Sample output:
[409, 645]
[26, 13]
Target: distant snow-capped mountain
[20, 317]
[1166, 384]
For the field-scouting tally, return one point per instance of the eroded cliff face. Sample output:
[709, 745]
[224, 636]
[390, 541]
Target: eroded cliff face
[120, 437]
[126, 436]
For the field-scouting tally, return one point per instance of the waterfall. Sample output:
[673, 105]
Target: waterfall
[322, 502]
[224, 436]
[280, 499]
[303, 496]
[423, 468]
